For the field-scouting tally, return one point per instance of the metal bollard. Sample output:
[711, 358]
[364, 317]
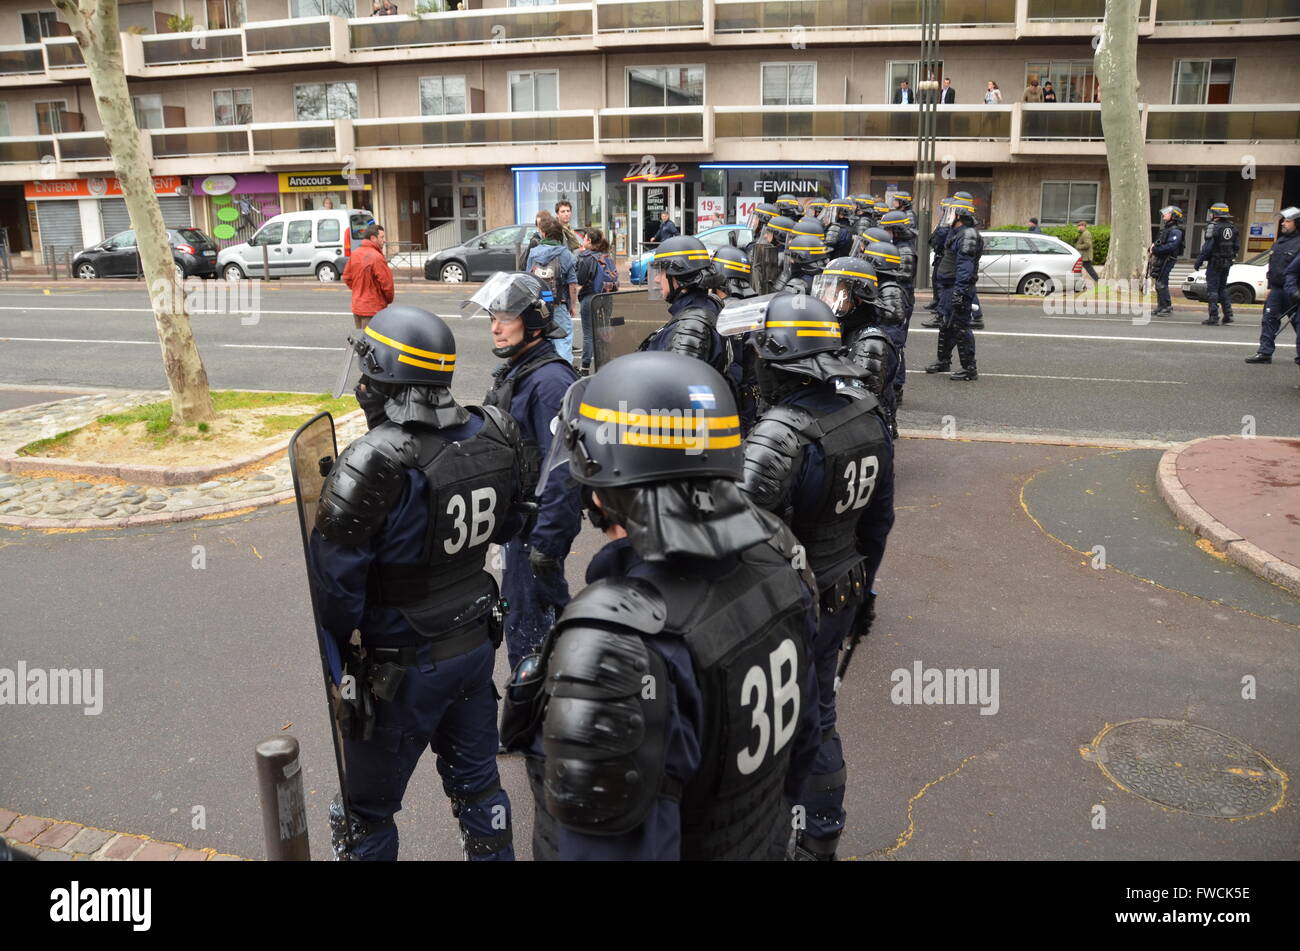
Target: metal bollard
[284, 811]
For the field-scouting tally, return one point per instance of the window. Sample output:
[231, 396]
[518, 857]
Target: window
[1203, 81]
[232, 106]
[148, 111]
[325, 101]
[42, 23]
[49, 117]
[789, 84]
[999, 244]
[900, 70]
[299, 232]
[1064, 203]
[535, 91]
[4, 118]
[1072, 79]
[442, 96]
[327, 231]
[322, 8]
[272, 234]
[1043, 246]
[660, 87]
[225, 14]
[120, 242]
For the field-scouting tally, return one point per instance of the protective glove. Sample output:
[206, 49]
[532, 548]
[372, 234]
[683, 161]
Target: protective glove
[549, 573]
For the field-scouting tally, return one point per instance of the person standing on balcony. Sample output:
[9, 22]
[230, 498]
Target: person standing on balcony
[371, 281]
[1032, 92]
[947, 95]
[993, 95]
[1083, 244]
[1049, 94]
[903, 95]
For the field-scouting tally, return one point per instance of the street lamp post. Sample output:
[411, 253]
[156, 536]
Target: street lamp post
[927, 101]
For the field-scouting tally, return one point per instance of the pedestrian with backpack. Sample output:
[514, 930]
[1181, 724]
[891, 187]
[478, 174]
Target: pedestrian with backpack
[552, 263]
[597, 274]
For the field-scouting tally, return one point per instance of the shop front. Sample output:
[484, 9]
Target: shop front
[738, 187]
[319, 190]
[78, 213]
[237, 205]
[540, 187]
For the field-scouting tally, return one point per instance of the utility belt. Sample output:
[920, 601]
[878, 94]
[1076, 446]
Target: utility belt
[845, 593]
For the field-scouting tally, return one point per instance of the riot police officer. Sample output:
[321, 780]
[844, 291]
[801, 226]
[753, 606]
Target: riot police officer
[682, 269]
[895, 301]
[811, 227]
[1165, 252]
[821, 457]
[800, 262]
[789, 206]
[902, 201]
[402, 527]
[641, 710]
[869, 322]
[732, 273]
[938, 238]
[1222, 244]
[1283, 293]
[731, 280]
[957, 273]
[529, 386]
[838, 216]
[758, 218]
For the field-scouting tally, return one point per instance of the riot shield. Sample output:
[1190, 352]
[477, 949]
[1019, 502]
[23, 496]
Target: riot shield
[346, 373]
[312, 452]
[622, 320]
[765, 267]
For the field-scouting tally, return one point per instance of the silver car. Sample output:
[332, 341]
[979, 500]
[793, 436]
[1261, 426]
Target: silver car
[1016, 262]
[297, 243]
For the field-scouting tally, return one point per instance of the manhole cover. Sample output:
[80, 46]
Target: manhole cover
[1189, 768]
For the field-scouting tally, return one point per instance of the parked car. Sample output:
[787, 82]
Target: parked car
[479, 257]
[297, 243]
[193, 253]
[1014, 262]
[1247, 282]
[736, 235]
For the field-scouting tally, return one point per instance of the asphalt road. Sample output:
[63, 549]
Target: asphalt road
[1058, 375]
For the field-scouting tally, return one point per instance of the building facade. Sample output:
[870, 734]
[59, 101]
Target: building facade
[449, 123]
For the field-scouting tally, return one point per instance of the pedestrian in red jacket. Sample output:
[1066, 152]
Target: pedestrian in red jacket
[369, 276]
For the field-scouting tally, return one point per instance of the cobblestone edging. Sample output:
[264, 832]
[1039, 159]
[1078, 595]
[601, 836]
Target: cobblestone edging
[48, 501]
[1191, 515]
[51, 840]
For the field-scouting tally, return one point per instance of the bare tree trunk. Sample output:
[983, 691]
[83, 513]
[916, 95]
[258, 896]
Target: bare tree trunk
[95, 25]
[1121, 123]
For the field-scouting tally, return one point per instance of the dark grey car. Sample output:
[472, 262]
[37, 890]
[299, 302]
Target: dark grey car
[477, 258]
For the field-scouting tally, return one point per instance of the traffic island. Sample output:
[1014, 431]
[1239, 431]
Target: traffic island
[54, 473]
[1242, 496]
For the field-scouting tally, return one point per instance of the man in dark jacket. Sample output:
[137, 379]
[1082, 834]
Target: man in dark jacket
[666, 228]
[1222, 245]
[1165, 252]
[1283, 292]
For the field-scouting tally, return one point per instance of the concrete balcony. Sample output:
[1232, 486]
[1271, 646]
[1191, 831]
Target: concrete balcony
[32, 158]
[1074, 18]
[1223, 136]
[683, 130]
[63, 60]
[803, 22]
[186, 54]
[514, 31]
[1056, 128]
[475, 139]
[1231, 19]
[640, 23]
[22, 65]
[295, 42]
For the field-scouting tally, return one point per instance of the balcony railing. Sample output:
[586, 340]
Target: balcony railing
[1080, 9]
[287, 36]
[681, 124]
[493, 26]
[21, 60]
[758, 16]
[1075, 122]
[83, 147]
[215, 140]
[1213, 124]
[63, 53]
[315, 136]
[631, 16]
[26, 149]
[206, 46]
[1225, 11]
[858, 122]
[505, 128]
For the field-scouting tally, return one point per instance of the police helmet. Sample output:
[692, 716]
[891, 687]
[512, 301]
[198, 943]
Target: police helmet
[732, 264]
[884, 257]
[864, 203]
[844, 283]
[508, 296]
[810, 226]
[408, 346]
[1218, 210]
[779, 230]
[762, 213]
[898, 223]
[963, 206]
[1173, 211]
[789, 205]
[684, 258]
[801, 335]
[837, 210]
[902, 200]
[650, 417]
[1290, 214]
[816, 208]
[806, 249]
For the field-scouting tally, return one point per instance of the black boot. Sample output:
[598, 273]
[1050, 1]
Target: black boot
[1163, 312]
[936, 321]
[1211, 321]
[1260, 358]
[965, 374]
[1227, 316]
[804, 848]
[943, 358]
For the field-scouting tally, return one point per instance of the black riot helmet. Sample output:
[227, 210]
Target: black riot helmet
[810, 226]
[806, 250]
[867, 236]
[902, 200]
[508, 296]
[841, 209]
[816, 208]
[865, 204]
[789, 206]
[962, 205]
[732, 270]
[898, 224]
[884, 257]
[798, 341]
[650, 417]
[1174, 212]
[1219, 209]
[778, 231]
[406, 345]
[686, 260]
[761, 215]
[845, 283]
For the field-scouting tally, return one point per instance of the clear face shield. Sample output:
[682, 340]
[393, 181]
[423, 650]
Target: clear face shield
[947, 214]
[503, 296]
[835, 291]
[743, 316]
[757, 218]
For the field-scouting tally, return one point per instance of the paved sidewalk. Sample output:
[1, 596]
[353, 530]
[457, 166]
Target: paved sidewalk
[1242, 495]
[50, 840]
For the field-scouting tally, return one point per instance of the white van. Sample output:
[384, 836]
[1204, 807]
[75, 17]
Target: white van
[297, 243]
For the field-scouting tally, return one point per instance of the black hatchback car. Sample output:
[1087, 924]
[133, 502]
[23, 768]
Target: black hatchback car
[479, 257]
[193, 252]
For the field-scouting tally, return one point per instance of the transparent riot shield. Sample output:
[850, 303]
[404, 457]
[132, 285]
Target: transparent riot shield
[765, 267]
[622, 320]
[312, 452]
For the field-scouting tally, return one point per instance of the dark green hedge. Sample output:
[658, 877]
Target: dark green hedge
[1068, 234]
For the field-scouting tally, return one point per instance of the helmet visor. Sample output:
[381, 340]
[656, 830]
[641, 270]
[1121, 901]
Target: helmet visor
[743, 316]
[565, 446]
[504, 296]
[835, 291]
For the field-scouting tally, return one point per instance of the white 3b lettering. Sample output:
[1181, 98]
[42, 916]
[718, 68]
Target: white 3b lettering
[482, 517]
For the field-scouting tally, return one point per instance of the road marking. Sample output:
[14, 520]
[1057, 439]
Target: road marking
[1080, 379]
[203, 313]
[1009, 333]
[272, 346]
[154, 343]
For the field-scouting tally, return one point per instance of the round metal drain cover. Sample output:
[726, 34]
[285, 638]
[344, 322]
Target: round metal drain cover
[1189, 768]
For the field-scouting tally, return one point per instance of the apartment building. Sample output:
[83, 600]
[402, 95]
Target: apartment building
[448, 124]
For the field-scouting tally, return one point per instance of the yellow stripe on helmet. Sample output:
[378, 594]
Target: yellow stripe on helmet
[737, 266]
[888, 257]
[685, 441]
[407, 348]
[824, 324]
[843, 273]
[425, 364]
[658, 420]
[818, 333]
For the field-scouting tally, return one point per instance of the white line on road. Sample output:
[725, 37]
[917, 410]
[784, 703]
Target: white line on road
[1009, 333]
[1081, 379]
[154, 343]
[201, 313]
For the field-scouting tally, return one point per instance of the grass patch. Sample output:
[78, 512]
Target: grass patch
[40, 447]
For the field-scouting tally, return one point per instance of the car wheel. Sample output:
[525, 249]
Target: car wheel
[453, 272]
[1036, 285]
[1241, 294]
[86, 271]
[233, 272]
[180, 272]
[325, 273]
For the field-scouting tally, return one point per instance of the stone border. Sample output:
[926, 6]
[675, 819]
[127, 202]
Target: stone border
[153, 518]
[1191, 515]
[11, 462]
[58, 840]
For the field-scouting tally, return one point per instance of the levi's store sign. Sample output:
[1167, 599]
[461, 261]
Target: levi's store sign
[324, 181]
[94, 187]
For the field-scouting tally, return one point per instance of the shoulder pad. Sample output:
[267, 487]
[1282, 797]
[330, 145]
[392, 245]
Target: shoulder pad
[505, 424]
[365, 482]
[891, 304]
[605, 733]
[692, 335]
[770, 452]
[630, 602]
[970, 242]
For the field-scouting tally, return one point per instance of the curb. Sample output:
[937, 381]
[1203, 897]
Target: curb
[1192, 516]
[153, 518]
[47, 839]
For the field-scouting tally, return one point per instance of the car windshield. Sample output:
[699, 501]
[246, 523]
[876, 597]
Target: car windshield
[1260, 259]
